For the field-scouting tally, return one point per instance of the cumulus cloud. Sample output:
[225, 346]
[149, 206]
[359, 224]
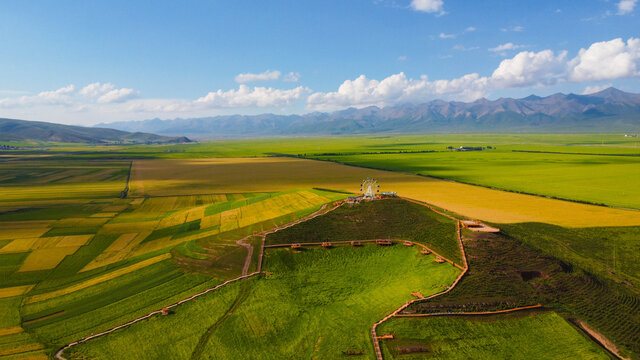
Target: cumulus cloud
[626, 6]
[600, 62]
[428, 6]
[61, 96]
[397, 88]
[606, 60]
[505, 47]
[447, 36]
[245, 96]
[595, 88]
[529, 68]
[291, 77]
[118, 95]
[470, 29]
[263, 76]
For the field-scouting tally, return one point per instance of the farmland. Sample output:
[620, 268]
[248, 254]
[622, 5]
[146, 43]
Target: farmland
[313, 303]
[517, 336]
[80, 260]
[76, 258]
[161, 177]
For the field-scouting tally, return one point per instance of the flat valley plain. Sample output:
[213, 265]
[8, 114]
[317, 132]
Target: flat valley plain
[94, 236]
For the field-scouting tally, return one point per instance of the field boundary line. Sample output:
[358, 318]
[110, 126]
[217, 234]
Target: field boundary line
[323, 210]
[374, 335]
[157, 312]
[471, 313]
[348, 242]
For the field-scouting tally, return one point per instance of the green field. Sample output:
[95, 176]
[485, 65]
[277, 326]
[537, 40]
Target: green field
[514, 336]
[75, 258]
[392, 218]
[507, 272]
[314, 303]
[610, 180]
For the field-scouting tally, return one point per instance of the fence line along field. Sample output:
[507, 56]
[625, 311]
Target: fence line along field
[315, 303]
[201, 176]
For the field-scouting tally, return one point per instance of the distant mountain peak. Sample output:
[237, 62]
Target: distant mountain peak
[607, 110]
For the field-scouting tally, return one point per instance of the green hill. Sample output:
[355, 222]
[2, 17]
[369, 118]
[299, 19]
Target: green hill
[22, 130]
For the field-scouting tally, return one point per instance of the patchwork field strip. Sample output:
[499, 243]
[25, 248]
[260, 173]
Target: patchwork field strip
[97, 280]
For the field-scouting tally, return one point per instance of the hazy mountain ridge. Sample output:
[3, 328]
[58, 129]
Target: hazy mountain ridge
[607, 110]
[23, 130]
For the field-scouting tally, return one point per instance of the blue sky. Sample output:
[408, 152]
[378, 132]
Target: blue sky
[100, 61]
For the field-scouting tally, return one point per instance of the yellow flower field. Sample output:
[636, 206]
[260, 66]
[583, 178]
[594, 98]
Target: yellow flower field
[207, 176]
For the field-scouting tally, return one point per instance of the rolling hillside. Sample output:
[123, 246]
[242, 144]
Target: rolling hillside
[22, 130]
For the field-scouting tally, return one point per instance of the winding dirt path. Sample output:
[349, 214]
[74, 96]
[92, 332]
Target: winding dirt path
[247, 263]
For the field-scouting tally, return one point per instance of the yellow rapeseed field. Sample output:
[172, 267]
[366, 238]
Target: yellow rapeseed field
[120, 249]
[46, 259]
[14, 291]
[208, 176]
[97, 280]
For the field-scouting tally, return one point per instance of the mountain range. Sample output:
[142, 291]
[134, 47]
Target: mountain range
[605, 111]
[22, 130]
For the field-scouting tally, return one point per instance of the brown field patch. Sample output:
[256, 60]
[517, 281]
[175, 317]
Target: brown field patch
[202, 176]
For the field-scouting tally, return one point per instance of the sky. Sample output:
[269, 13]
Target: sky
[89, 62]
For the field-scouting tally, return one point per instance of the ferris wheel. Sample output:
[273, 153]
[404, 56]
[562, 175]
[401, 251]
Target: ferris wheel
[370, 188]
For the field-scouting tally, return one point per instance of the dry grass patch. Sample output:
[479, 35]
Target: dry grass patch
[182, 176]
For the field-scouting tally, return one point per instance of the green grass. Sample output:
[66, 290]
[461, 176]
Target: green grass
[314, 303]
[610, 252]
[610, 180]
[506, 272]
[515, 336]
[392, 218]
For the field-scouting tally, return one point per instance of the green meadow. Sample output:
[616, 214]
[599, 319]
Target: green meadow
[313, 303]
[610, 180]
[537, 335]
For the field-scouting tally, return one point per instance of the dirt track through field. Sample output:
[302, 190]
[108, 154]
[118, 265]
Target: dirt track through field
[245, 289]
[323, 210]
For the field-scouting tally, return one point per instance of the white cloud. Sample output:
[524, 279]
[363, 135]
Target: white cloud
[291, 77]
[599, 62]
[595, 88]
[428, 6]
[464, 48]
[606, 60]
[118, 95]
[505, 47]
[263, 76]
[529, 68]
[107, 93]
[626, 6]
[517, 28]
[395, 89]
[447, 36]
[96, 89]
[402, 58]
[245, 96]
[61, 96]
[470, 29]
